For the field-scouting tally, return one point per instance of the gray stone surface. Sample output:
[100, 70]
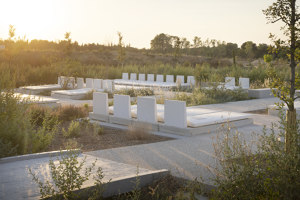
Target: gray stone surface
[16, 182]
[260, 93]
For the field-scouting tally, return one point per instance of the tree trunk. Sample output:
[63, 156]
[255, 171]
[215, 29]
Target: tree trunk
[291, 130]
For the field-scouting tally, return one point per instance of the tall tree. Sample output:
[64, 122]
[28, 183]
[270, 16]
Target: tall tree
[286, 11]
[161, 43]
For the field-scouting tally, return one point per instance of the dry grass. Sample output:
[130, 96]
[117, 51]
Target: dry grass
[139, 133]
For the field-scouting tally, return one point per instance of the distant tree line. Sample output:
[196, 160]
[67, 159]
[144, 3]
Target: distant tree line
[168, 44]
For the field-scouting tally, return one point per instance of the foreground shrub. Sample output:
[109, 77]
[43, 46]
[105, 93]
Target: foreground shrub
[70, 112]
[68, 175]
[260, 169]
[135, 92]
[73, 130]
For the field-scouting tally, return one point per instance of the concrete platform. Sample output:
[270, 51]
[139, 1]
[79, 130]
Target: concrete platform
[260, 93]
[34, 90]
[40, 100]
[76, 94]
[16, 182]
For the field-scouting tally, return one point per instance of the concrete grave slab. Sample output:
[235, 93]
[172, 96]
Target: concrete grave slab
[229, 81]
[107, 85]
[175, 113]
[100, 107]
[80, 83]
[98, 83]
[180, 79]
[159, 78]
[121, 110]
[244, 83]
[89, 83]
[142, 77]
[170, 78]
[150, 77]
[133, 76]
[146, 109]
[76, 94]
[125, 76]
[260, 93]
[191, 80]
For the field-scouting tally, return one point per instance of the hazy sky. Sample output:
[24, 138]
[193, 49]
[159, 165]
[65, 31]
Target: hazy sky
[98, 21]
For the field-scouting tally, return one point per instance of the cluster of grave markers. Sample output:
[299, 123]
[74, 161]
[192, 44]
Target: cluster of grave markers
[98, 84]
[159, 78]
[244, 83]
[174, 111]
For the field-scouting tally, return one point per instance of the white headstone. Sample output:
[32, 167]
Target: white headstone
[125, 76]
[150, 77]
[133, 76]
[170, 79]
[63, 80]
[191, 80]
[59, 80]
[142, 77]
[159, 78]
[122, 106]
[107, 85]
[244, 83]
[80, 83]
[71, 82]
[100, 103]
[175, 113]
[229, 81]
[89, 83]
[180, 79]
[98, 83]
[146, 109]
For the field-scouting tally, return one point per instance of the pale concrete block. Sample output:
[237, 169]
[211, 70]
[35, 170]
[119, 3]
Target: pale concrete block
[170, 79]
[100, 103]
[125, 76]
[229, 81]
[107, 85]
[133, 76]
[146, 109]
[59, 80]
[63, 79]
[89, 83]
[260, 93]
[122, 106]
[71, 82]
[80, 83]
[159, 78]
[150, 77]
[191, 80]
[179, 79]
[98, 83]
[244, 83]
[142, 77]
[175, 113]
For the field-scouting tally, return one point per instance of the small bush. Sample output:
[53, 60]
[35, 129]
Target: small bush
[73, 130]
[135, 92]
[69, 113]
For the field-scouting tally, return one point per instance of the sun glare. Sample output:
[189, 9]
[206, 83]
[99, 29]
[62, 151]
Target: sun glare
[33, 19]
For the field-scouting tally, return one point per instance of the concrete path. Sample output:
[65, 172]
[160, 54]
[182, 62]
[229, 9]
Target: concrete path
[16, 182]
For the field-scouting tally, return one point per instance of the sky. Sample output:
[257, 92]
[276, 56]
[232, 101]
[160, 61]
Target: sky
[139, 21]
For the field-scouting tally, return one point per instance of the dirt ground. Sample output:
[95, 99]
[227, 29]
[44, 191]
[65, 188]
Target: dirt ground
[89, 140]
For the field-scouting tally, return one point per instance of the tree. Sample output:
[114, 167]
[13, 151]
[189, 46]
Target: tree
[287, 12]
[197, 42]
[250, 49]
[121, 55]
[161, 43]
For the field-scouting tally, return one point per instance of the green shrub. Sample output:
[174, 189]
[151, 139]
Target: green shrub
[135, 92]
[73, 130]
[257, 169]
[67, 176]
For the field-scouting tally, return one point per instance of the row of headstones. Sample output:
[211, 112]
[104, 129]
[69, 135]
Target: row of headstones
[159, 78]
[243, 82]
[174, 111]
[90, 83]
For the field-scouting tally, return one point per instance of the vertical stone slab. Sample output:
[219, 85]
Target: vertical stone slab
[107, 85]
[244, 83]
[125, 76]
[142, 77]
[122, 106]
[150, 77]
[229, 81]
[146, 110]
[100, 103]
[59, 80]
[133, 76]
[159, 78]
[180, 79]
[98, 83]
[170, 79]
[89, 83]
[191, 80]
[71, 82]
[175, 114]
[63, 80]
[80, 83]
